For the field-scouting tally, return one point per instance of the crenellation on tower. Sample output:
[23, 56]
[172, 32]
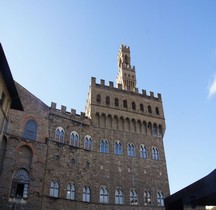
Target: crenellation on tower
[63, 109]
[143, 93]
[93, 81]
[102, 82]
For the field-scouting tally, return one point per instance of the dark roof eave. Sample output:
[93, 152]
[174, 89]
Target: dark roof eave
[201, 192]
[6, 73]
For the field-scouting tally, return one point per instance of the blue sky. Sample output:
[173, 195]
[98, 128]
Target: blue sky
[55, 47]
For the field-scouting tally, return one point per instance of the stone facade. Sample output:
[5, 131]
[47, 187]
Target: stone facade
[113, 154]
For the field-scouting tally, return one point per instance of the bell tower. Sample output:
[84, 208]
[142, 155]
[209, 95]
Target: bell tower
[126, 73]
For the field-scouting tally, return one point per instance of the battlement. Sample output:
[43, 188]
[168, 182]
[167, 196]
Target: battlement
[150, 96]
[71, 114]
[125, 48]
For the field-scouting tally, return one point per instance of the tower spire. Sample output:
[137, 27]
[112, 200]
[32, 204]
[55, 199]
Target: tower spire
[126, 73]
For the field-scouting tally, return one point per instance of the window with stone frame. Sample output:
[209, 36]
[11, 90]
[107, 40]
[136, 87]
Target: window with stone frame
[160, 199]
[141, 108]
[54, 189]
[155, 130]
[30, 130]
[86, 194]
[133, 105]
[157, 111]
[160, 131]
[155, 153]
[104, 146]
[131, 150]
[74, 139]
[107, 100]
[149, 109]
[88, 144]
[118, 150]
[20, 184]
[133, 197]
[59, 134]
[147, 198]
[125, 104]
[119, 196]
[104, 195]
[143, 151]
[71, 191]
[98, 98]
[116, 102]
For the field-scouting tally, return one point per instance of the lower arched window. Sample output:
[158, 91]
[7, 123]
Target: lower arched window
[160, 199]
[131, 150]
[155, 153]
[103, 195]
[74, 137]
[59, 134]
[104, 146]
[119, 196]
[86, 194]
[133, 197]
[88, 143]
[147, 198]
[54, 189]
[118, 148]
[71, 191]
[143, 152]
[20, 184]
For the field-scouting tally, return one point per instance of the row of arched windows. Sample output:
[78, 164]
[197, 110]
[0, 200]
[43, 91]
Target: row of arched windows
[104, 145]
[125, 105]
[104, 194]
[128, 125]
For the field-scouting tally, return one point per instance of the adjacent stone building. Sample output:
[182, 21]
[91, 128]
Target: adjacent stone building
[109, 157]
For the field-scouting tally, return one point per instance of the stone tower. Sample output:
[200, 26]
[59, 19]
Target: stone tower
[126, 73]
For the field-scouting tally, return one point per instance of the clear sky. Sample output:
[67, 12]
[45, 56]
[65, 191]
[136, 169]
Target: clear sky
[54, 48]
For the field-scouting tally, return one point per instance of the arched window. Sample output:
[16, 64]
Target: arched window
[126, 59]
[20, 184]
[54, 189]
[131, 150]
[155, 154]
[118, 148]
[157, 111]
[74, 139]
[133, 105]
[86, 194]
[133, 197]
[30, 130]
[119, 196]
[104, 146]
[160, 131]
[88, 143]
[160, 199]
[59, 134]
[143, 152]
[141, 108]
[149, 109]
[154, 130]
[125, 104]
[98, 98]
[107, 100]
[104, 195]
[116, 102]
[71, 190]
[147, 198]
